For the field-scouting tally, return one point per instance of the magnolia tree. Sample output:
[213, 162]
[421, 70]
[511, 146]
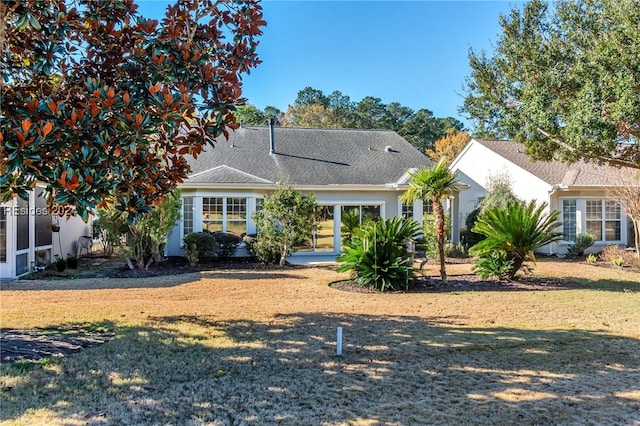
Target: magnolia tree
[102, 105]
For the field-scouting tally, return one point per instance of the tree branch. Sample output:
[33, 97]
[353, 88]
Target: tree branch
[609, 160]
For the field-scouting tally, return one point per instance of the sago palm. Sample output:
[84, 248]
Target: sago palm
[377, 253]
[516, 230]
[433, 184]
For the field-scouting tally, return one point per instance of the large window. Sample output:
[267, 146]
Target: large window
[187, 215]
[569, 223]
[604, 219]
[224, 214]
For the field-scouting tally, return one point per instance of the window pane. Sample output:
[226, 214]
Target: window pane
[407, 211]
[212, 226]
[369, 213]
[187, 218]
[594, 210]
[612, 210]
[237, 227]
[236, 208]
[22, 263]
[427, 207]
[612, 230]
[44, 235]
[212, 208]
[569, 219]
[22, 224]
[595, 228]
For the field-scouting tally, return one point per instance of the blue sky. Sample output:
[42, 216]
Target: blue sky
[412, 52]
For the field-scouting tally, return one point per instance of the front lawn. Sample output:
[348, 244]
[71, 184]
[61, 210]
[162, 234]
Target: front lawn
[258, 347]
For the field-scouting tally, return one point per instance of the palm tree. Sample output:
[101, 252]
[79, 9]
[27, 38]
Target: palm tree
[433, 184]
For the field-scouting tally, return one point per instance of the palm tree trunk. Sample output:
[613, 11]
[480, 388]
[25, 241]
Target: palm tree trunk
[440, 232]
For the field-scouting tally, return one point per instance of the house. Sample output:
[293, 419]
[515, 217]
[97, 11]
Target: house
[579, 191]
[347, 170]
[28, 237]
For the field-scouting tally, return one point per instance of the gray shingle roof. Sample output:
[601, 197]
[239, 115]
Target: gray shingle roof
[555, 172]
[306, 157]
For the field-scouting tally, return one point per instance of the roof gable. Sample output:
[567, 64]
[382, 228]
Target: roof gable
[226, 174]
[555, 172]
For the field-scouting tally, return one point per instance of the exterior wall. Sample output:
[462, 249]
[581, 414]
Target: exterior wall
[67, 240]
[477, 163]
[28, 236]
[386, 199]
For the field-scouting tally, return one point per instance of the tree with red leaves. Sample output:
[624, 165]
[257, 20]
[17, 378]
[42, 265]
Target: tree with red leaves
[102, 105]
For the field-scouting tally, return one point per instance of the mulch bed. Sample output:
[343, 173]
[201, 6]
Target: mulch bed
[469, 283]
[176, 265]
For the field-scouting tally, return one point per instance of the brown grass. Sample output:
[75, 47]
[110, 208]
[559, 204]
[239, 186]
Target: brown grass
[258, 347]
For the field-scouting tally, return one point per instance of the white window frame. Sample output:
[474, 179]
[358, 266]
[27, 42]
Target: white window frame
[224, 220]
[604, 219]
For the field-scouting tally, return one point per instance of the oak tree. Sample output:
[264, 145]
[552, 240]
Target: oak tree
[563, 80]
[102, 105]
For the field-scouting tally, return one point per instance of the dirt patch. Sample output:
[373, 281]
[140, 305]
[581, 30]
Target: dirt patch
[36, 344]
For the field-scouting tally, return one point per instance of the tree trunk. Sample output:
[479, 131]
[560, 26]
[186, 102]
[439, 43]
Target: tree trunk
[283, 255]
[636, 228]
[440, 232]
[130, 263]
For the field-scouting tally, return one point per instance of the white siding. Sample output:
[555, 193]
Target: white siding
[476, 164]
[386, 199]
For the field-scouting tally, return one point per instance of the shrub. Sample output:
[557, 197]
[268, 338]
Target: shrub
[286, 218]
[517, 230]
[267, 252]
[456, 250]
[582, 242]
[227, 243]
[495, 264]
[61, 265]
[591, 259]
[72, 262]
[198, 245]
[618, 256]
[468, 237]
[378, 255]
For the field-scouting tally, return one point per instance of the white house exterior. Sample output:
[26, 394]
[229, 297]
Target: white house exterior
[578, 191]
[27, 237]
[344, 169]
